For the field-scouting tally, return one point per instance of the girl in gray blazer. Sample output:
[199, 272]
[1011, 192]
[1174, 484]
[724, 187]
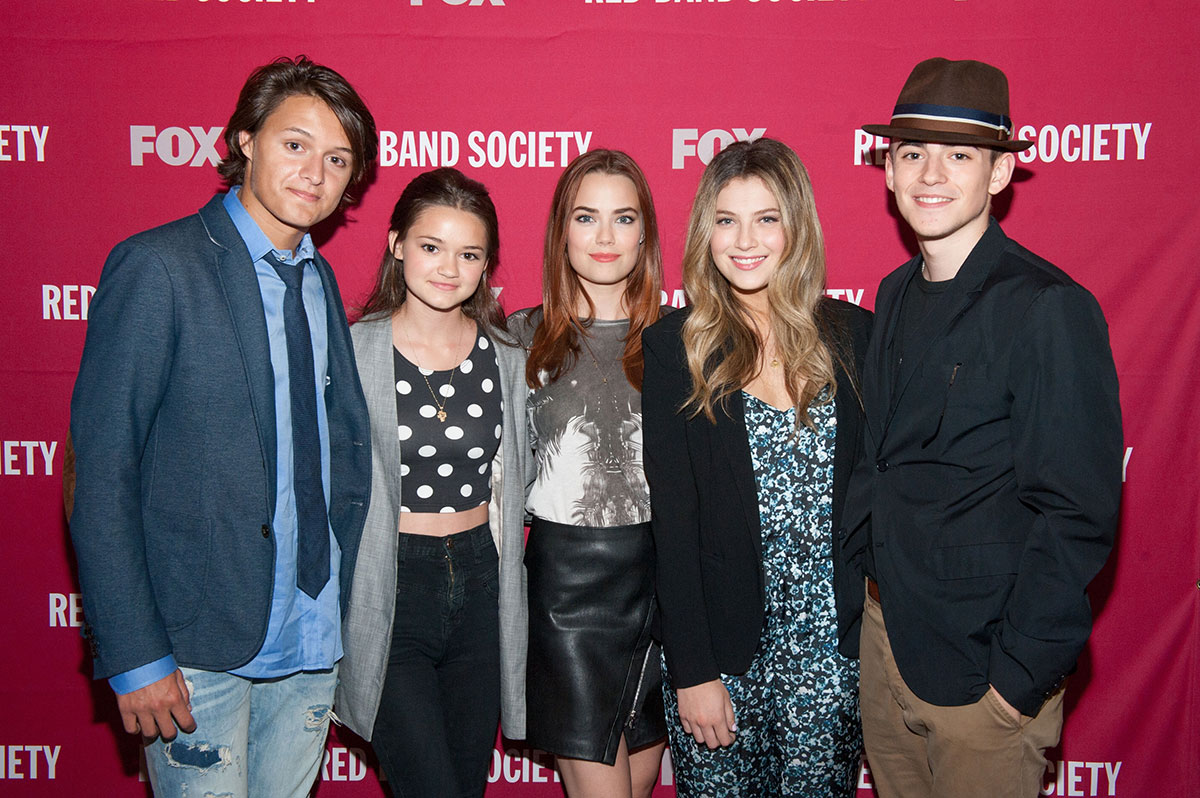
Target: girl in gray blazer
[435, 630]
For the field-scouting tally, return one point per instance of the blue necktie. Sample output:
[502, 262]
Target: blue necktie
[312, 556]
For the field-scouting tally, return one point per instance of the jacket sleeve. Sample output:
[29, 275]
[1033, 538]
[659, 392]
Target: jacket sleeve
[123, 374]
[674, 515]
[850, 541]
[1067, 453]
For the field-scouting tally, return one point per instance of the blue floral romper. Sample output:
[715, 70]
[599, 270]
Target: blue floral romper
[798, 731]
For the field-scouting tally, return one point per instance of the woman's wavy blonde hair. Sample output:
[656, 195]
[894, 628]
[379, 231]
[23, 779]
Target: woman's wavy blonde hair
[719, 337]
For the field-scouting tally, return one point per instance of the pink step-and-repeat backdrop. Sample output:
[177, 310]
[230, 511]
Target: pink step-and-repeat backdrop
[110, 121]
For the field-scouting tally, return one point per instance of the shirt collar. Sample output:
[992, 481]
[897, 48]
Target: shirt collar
[255, 239]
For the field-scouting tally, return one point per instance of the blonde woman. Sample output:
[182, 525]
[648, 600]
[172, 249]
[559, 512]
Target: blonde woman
[752, 422]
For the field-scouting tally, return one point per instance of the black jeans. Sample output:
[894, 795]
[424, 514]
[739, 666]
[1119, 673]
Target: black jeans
[440, 707]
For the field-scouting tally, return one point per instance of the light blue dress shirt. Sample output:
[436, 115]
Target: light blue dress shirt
[303, 633]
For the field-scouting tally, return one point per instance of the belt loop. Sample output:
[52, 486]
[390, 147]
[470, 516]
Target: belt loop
[401, 548]
[481, 541]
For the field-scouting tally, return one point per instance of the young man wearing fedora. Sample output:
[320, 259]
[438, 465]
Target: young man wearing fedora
[987, 498]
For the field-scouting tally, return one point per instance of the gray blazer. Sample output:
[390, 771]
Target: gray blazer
[367, 629]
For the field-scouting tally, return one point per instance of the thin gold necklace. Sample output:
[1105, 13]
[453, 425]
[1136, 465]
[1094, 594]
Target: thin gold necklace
[766, 342]
[595, 361]
[441, 406]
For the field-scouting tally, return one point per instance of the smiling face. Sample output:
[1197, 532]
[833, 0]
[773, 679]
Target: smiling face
[444, 254]
[748, 238]
[298, 165]
[944, 191]
[603, 231]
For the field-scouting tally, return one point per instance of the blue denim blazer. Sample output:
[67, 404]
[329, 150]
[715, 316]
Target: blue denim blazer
[173, 425]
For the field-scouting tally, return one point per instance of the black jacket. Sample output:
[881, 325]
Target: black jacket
[704, 508]
[992, 476]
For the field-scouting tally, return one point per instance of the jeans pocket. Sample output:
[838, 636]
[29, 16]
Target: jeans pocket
[489, 576]
[422, 576]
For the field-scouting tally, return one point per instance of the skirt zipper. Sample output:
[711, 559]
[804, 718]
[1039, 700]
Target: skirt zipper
[638, 693]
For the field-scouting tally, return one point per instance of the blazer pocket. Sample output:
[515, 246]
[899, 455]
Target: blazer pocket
[981, 559]
[970, 385]
[963, 370]
[178, 550]
[965, 394]
[957, 382]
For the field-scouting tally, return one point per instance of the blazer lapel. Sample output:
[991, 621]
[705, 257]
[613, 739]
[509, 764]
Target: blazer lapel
[731, 429]
[953, 305]
[376, 370]
[879, 374]
[239, 283]
[335, 324]
[968, 284]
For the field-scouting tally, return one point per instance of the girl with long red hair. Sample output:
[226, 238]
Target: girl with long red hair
[593, 681]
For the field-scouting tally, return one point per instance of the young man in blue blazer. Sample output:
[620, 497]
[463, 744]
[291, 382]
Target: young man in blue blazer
[222, 455]
[989, 492]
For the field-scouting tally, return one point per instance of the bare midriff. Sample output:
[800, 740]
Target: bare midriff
[439, 525]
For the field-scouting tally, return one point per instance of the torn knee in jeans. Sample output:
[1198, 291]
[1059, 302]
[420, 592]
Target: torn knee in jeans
[201, 756]
[316, 717]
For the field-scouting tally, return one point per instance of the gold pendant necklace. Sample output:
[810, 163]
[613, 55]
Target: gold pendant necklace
[766, 345]
[441, 406]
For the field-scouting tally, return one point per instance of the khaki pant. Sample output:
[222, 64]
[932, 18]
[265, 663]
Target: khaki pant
[918, 750]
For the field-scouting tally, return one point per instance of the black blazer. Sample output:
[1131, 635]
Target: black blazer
[992, 478]
[704, 508]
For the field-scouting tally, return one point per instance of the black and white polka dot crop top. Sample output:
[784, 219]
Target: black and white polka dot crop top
[449, 426]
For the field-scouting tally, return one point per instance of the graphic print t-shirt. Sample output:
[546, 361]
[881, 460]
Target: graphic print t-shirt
[586, 435]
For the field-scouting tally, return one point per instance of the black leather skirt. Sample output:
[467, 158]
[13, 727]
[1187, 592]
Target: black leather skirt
[594, 671]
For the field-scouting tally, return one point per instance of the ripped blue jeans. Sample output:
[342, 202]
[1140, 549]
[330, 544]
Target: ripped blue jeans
[254, 737]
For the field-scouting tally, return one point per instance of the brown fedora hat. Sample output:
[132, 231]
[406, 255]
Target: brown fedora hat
[953, 102]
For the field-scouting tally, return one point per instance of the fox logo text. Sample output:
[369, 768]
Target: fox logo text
[687, 141]
[174, 146]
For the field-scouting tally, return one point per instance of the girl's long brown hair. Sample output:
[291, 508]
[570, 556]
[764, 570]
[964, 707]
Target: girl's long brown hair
[448, 188]
[556, 343]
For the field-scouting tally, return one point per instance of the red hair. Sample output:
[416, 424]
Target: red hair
[556, 342]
